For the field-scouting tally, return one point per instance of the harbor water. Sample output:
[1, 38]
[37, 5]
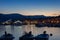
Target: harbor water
[18, 31]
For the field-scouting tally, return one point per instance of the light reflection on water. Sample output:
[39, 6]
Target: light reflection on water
[18, 31]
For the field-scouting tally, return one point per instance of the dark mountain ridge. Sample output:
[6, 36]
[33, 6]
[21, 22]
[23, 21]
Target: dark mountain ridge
[16, 16]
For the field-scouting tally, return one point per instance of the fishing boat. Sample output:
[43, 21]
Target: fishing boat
[43, 36]
[26, 36]
[7, 36]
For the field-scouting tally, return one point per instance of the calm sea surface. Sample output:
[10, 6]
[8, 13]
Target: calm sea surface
[18, 31]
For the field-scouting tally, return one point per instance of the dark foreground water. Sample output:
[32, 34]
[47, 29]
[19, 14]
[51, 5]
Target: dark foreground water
[18, 31]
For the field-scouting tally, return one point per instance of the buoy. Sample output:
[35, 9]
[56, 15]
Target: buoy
[51, 34]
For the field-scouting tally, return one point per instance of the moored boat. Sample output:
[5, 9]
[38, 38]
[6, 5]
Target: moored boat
[26, 36]
[43, 36]
[7, 36]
